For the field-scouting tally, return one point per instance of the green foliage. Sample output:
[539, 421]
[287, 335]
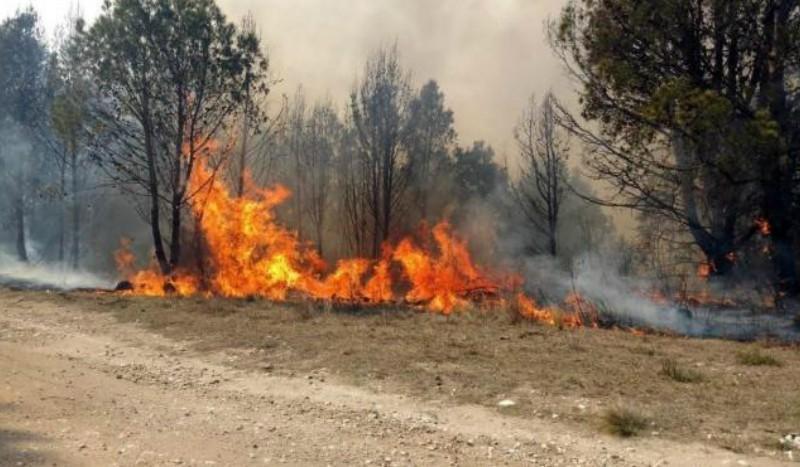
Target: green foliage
[696, 110]
[23, 60]
[476, 173]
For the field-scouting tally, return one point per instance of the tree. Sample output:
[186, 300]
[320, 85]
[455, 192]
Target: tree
[323, 140]
[23, 58]
[430, 137]
[353, 190]
[69, 122]
[255, 89]
[475, 172]
[174, 74]
[539, 193]
[697, 113]
[295, 143]
[379, 108]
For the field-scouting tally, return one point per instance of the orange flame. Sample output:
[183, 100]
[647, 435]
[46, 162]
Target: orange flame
[250, 254]
[247, 253]
[704, 270]
[763, 226]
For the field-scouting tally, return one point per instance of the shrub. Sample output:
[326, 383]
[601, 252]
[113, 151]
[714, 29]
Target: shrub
[624, 422]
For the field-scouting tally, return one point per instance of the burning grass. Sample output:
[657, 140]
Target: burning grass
[248, 253]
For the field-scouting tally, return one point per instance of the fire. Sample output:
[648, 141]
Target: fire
[576, 311]
[763, 226]
[249, 254]
[704, 270]
[444, 280]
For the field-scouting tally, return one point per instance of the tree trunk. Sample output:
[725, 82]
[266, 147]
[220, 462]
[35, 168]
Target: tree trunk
[152, 179]
[776, 210]
[243, 153]
[780, 185]
[19, 217]
[76, 226]
[551, 239]
[62, 221]
[175, 237]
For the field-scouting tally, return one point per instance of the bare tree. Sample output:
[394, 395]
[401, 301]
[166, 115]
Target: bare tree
[353, 189]
[69, 119]
[540, 190]
[379, 114]
[323, 133]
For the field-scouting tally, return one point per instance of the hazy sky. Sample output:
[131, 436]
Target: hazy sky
[487, 55]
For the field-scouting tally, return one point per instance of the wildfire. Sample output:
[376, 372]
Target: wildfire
[763, 226]
[249, 254]
[704, 270]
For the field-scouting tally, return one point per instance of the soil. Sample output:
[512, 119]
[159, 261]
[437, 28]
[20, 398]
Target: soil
[103, 379]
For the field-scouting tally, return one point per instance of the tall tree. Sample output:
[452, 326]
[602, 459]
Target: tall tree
[475, 172]
[23, 59]
[255, 88]
[430, 138]
[174, 74]
[295, 145]
[379, 108]
[697, 113]
[323, 140]
[69, 121]
[539, 193]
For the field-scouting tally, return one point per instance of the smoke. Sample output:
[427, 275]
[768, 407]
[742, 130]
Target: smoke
[487, 55]
[624, 301]
[30, 275]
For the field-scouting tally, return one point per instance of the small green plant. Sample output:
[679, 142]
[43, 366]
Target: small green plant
[624, 422]
[754, 357]
[675, 372]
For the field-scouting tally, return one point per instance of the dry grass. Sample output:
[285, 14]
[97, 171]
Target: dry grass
[480, 358]
[624, 422]
[754, 357]
[675, 372]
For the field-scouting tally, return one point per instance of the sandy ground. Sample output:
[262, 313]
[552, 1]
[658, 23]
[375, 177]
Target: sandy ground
[82, 388]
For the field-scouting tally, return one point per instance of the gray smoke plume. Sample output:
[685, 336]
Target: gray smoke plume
[40, 275]
[623, 301]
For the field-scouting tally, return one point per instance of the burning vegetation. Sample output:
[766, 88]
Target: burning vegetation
[248, 253]
[170, 104]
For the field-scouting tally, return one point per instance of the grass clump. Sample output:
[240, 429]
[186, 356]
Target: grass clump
[624, 422]
[675, 372]
[754, 357]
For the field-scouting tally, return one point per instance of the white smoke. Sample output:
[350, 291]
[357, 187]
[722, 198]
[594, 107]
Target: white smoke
[31, 275]
[624, 301]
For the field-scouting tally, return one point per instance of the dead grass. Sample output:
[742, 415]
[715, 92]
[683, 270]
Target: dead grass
[479, 358]
[672, 370]
[624, 422]
[754, 357]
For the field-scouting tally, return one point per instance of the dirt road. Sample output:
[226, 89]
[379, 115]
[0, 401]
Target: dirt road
[79, 388]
